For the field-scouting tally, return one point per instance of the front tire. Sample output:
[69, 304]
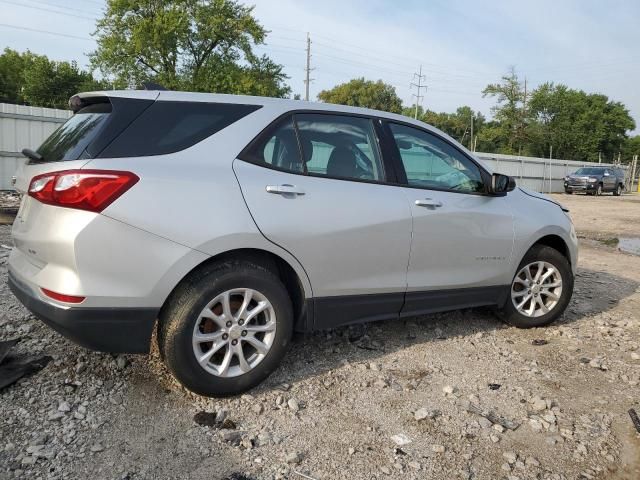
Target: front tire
[226, 328]
[541, 289]
[598, 190]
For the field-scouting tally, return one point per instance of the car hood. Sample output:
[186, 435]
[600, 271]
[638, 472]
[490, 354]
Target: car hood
[542, 196]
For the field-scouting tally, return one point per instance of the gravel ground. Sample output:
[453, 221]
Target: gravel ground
[387, 400]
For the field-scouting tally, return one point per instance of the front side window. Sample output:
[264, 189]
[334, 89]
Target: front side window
[432, 163]
[339, 146]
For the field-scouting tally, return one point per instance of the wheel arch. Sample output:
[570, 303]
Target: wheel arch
[556, 242]
[286, 272]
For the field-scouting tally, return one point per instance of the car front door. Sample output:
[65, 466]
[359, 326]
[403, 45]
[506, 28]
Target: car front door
[314, 184]
[462, 238]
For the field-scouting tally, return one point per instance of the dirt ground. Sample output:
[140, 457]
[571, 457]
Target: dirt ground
[388, 400]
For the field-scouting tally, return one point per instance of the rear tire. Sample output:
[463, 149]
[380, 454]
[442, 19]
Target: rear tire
[183, 319]
[549, 257]
[618, 191]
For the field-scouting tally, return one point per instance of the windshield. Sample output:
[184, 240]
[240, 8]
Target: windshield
[589, 171]
[70, 140]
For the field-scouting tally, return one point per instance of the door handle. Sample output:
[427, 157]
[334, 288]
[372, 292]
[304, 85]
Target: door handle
[428, 202]
[285, 189]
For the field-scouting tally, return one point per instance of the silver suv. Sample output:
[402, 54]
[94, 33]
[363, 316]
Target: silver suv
[230, 222]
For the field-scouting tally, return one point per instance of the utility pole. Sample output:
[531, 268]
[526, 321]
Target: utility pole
[551, 152]
[419, 86]
[471, 139]
[308, 69]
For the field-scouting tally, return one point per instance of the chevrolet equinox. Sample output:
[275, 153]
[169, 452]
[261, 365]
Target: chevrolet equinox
[229, 222]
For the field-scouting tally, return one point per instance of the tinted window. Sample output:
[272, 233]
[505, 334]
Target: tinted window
[168, 127]
[430, 162]
[590, 171]
[277, 147]
[70, 140]
[339, 146]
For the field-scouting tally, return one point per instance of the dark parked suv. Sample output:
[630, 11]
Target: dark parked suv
[595, 181]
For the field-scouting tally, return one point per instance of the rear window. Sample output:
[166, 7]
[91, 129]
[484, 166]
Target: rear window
[168, 127]
[69, 142]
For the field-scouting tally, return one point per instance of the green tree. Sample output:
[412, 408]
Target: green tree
[364, 93]
[34, 79]
[509, 112]
[457, 124]
[197, 45]
[577, 125]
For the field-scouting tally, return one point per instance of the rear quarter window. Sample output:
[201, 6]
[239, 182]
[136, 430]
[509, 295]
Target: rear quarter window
[168, 127]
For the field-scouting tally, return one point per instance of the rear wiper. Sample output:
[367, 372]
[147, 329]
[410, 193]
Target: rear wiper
[31, 155]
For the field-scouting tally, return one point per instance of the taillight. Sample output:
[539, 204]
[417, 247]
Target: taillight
[61, 297]
[92, 190]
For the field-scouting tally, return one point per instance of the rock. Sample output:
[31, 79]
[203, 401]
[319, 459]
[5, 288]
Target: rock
[635, 356]
[438, 448]
[351, 450]
[97, 447]
[221, 415]
[293, 457]
[510, 457]
[415, 465]
[423, 413]
[64, 407]
[485, 422]
[506, 467]
[121, 362]
[538, 404]
[401, 439]
[258, 409]
[499, 428]
[449, 390]
[116, 399]
[494, 438]
[385, 470]
[233, 437]
[293, 405]
[532, 462]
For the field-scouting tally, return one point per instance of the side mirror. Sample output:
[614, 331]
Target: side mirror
[501, 184]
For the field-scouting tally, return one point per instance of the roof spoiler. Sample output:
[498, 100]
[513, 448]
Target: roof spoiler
[78, 102]
[152, 86]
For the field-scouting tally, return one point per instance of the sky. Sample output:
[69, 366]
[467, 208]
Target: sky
[462, 45]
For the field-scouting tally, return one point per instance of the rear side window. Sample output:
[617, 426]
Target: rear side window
[278, 148]
[69, 142]
[168, 127]
[339, 146]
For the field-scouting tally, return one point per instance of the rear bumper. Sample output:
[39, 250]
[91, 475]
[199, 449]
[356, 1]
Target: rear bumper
[115, 330]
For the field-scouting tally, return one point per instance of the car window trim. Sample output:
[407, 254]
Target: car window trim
[390, 174]
[397, 159]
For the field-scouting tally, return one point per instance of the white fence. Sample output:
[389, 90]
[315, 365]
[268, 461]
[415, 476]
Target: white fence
[23, 127]
[27, 127]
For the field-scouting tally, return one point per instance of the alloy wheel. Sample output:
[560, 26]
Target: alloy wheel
[234, 332]
[536, 289]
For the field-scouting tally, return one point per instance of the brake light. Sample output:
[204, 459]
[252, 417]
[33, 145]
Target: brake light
[92, 190]
[62, 297]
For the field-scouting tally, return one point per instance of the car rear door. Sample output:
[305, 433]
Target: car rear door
[462, 238]
[315, 185]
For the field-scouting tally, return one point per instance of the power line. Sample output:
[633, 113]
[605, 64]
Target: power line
[47, 10]
[37, 30]
[419, 86]
[59, 6]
